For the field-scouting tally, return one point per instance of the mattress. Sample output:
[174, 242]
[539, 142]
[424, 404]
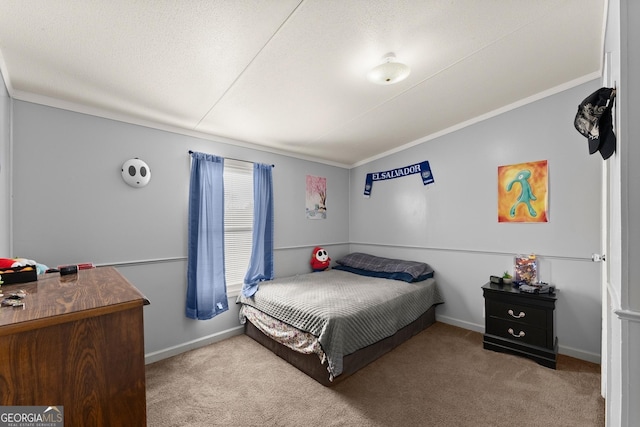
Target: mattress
[344, 311]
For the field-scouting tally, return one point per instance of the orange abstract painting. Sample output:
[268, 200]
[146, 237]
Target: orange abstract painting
[523, 192]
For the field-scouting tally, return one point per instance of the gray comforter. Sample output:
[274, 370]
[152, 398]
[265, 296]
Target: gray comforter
[344, 310]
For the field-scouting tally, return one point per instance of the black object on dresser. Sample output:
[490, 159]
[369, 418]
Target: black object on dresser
[520, 323]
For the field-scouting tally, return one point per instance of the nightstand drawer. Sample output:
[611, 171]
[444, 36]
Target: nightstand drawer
[521, 314]
[517, 332]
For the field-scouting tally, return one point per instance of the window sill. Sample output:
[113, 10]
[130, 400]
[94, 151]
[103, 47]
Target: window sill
[234, 291]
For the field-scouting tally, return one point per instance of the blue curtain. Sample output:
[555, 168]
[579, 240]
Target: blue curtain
[206, 286]
[261, 263]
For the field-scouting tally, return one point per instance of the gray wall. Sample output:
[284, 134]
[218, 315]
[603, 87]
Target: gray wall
[71, 205]
[452, 224]
[5, 173]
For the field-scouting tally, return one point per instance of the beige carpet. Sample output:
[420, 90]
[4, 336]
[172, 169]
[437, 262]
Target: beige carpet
[441, 377]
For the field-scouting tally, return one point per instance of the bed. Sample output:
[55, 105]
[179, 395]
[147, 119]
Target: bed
[330, 324]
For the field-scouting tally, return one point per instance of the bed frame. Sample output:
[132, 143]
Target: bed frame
[310, 363]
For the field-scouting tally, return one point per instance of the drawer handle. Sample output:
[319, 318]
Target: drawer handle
[518, 316]
[520, 334]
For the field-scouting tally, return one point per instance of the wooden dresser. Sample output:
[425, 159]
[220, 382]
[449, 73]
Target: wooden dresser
[520, 323]
[77, 343]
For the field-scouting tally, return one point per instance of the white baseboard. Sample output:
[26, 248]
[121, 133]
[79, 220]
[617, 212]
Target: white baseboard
[460, 323]
[238, 330]
[192, 345]
[568, 351]
[579, 354]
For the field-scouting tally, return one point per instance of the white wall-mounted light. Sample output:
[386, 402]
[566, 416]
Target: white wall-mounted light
[136, 173]
[389, 72]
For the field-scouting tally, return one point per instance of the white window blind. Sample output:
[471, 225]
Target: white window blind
[238, 222]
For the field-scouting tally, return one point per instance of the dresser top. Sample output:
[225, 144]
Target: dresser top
[54, 299]
[508, 289]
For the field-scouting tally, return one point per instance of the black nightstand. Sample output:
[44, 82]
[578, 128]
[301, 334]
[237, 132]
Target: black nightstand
[520, 323]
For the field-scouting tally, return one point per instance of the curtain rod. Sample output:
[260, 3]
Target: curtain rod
[238, 160]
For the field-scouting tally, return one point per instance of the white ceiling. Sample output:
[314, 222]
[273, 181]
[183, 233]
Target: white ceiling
[289, 75]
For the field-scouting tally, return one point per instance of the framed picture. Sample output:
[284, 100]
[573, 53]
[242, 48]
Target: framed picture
[523, 192]
[316, 198]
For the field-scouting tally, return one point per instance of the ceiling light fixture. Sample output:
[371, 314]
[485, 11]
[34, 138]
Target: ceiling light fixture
[389, 72]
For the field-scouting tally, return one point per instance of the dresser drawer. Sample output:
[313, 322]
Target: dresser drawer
[521, 314]
[516, 331]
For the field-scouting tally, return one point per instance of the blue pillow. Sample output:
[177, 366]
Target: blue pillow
[409, 271]
[397, 275]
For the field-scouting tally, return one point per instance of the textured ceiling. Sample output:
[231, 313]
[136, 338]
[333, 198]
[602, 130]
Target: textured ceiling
[290, 75]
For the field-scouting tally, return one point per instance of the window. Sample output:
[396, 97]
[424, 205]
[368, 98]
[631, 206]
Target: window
[238, 222]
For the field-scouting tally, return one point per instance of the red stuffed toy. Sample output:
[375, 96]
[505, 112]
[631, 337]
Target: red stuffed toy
[6, 263]
[320, 260]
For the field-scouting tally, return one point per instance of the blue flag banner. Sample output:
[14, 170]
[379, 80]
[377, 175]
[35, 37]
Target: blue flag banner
[422, 168]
